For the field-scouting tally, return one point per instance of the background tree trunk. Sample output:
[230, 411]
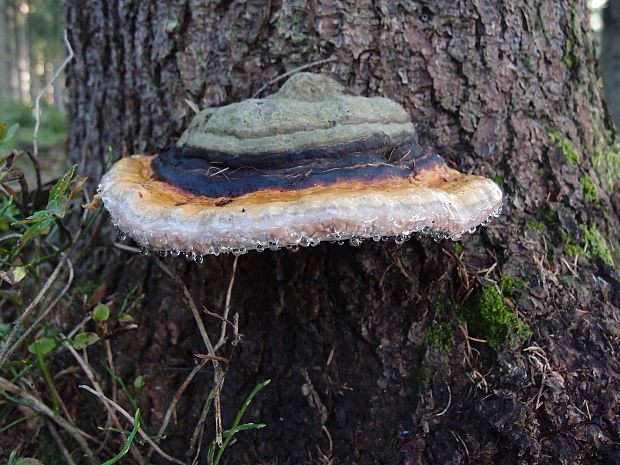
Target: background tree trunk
[610, 58]
[4, 65]
[23, 56]
[503, 89]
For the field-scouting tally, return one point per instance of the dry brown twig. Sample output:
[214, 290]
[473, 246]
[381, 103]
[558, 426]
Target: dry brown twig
[194, 444]
[177, 396]
[108, 351]
[219, 369]
[293, 71]
[538, 358]
[231, 283]
[192, 305]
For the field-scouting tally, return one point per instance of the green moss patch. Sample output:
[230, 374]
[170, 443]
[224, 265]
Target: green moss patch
[489, 314]
[562, 143]
[606, 162]
[439, 336]
[589, 189]
[591, 245]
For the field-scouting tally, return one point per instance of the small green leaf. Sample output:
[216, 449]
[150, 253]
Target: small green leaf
[82, 340]
[247, 426]
[62, 185]
[101, 313]
[44, 346]
[35, 230]
[55, 207]
[7, 132]
[139, 382]
[35, 217]
[130, 439]
[126, 318]
[12, 130]
[19, 273]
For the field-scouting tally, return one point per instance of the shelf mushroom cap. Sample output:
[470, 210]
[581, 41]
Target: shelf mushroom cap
[307, 164]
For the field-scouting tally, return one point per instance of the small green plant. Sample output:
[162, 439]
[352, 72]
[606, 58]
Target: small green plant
[215, 452]
[131, 300]
[458, 248]
[540, 226]
[40, 219]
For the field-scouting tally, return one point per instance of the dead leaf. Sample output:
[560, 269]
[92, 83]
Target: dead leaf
[94, 205]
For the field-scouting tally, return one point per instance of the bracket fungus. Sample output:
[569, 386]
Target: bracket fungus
[310, 163]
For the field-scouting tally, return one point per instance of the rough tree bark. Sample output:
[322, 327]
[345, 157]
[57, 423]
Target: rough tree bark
[504, 89]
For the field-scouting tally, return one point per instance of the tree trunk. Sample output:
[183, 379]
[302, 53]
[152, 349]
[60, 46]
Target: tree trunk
[367, 347]
[5, 88]
[23, 57]
[13, 54]
[610, 58]
[33, 62]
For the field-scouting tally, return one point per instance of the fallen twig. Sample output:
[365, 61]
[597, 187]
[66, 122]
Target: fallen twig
[293, 71]
[60, 444]
[192, 306]
[220, 364]
[219, 374]
[177, 396]
[194, 444]
[443, 412]
[123, 412]
[222, 340]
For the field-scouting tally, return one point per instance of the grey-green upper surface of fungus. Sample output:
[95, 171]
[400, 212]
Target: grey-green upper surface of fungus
[310, 110]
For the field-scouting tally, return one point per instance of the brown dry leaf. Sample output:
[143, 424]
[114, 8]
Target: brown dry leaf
[77, 187]
[96, 296]
[93, 205]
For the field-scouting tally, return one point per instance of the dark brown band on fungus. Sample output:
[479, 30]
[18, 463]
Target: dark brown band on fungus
[217, 174]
